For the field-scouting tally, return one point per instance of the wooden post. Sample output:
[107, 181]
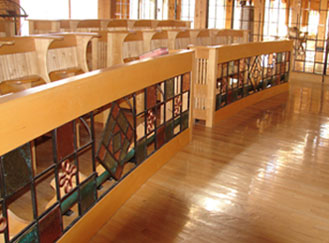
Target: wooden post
[171, 9]
[259, 14]
[201, 14]
[211, 86]
[105, 9]
[322, 30]
[229, 12]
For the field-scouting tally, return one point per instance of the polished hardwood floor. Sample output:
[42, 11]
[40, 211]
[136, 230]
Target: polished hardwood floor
[260, 176]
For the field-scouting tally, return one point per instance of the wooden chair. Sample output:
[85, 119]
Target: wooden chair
[183, 39]
[68, 25]
[92, 25]
[145, 24]
[171, 24]
[67, 57]
[43, 26]
[159, 40]
[124, 46]
[23, 62]
[118, 24]
[7, 28]
[204, 38]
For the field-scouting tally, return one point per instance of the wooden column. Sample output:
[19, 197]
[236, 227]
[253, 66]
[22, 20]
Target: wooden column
[229, 12]
[171, 9]
[296, 10]
[106, 9]
[200, 19]
[322, 30]
[259, 13]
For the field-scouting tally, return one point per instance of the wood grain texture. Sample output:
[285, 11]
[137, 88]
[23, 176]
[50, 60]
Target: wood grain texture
[259, 176]
[77, 96]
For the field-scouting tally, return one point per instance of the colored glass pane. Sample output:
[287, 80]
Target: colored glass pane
[141, 151]
[50, 226]
[116, 142]
[185, 119]
[170, 88]
[17, 168]
[186, 82]
[151, 96]
[123, 122]
[30, 236]
[108, 130]
[88, 194]
[169, 130]
[110, 163]
[160, 138]
[65, 140]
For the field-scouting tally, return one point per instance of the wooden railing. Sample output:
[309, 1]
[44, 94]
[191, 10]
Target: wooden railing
[226, 74]
[59, 166]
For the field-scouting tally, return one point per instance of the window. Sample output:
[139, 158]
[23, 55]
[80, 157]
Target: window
[216, 14]
[187, 13]
[83, 9]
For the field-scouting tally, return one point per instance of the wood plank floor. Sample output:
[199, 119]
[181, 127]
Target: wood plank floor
[260, 176]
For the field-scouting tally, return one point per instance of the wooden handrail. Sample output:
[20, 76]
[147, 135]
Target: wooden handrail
[33, 112]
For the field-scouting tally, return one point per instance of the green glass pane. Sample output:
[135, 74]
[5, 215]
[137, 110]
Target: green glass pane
[17, 168]
[110, 124]
[170, 88]
[279, 57]
[185, 120]
[141, 151]
[110, 163]
[50, 226]
[169, 130]
[88, 194]
[31, 236]
[124, 150]
[116, 142]
[122, 121]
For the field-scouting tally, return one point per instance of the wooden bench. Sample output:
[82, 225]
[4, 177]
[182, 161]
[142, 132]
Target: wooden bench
[67, 56]
[43, 26]
[23, 62]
